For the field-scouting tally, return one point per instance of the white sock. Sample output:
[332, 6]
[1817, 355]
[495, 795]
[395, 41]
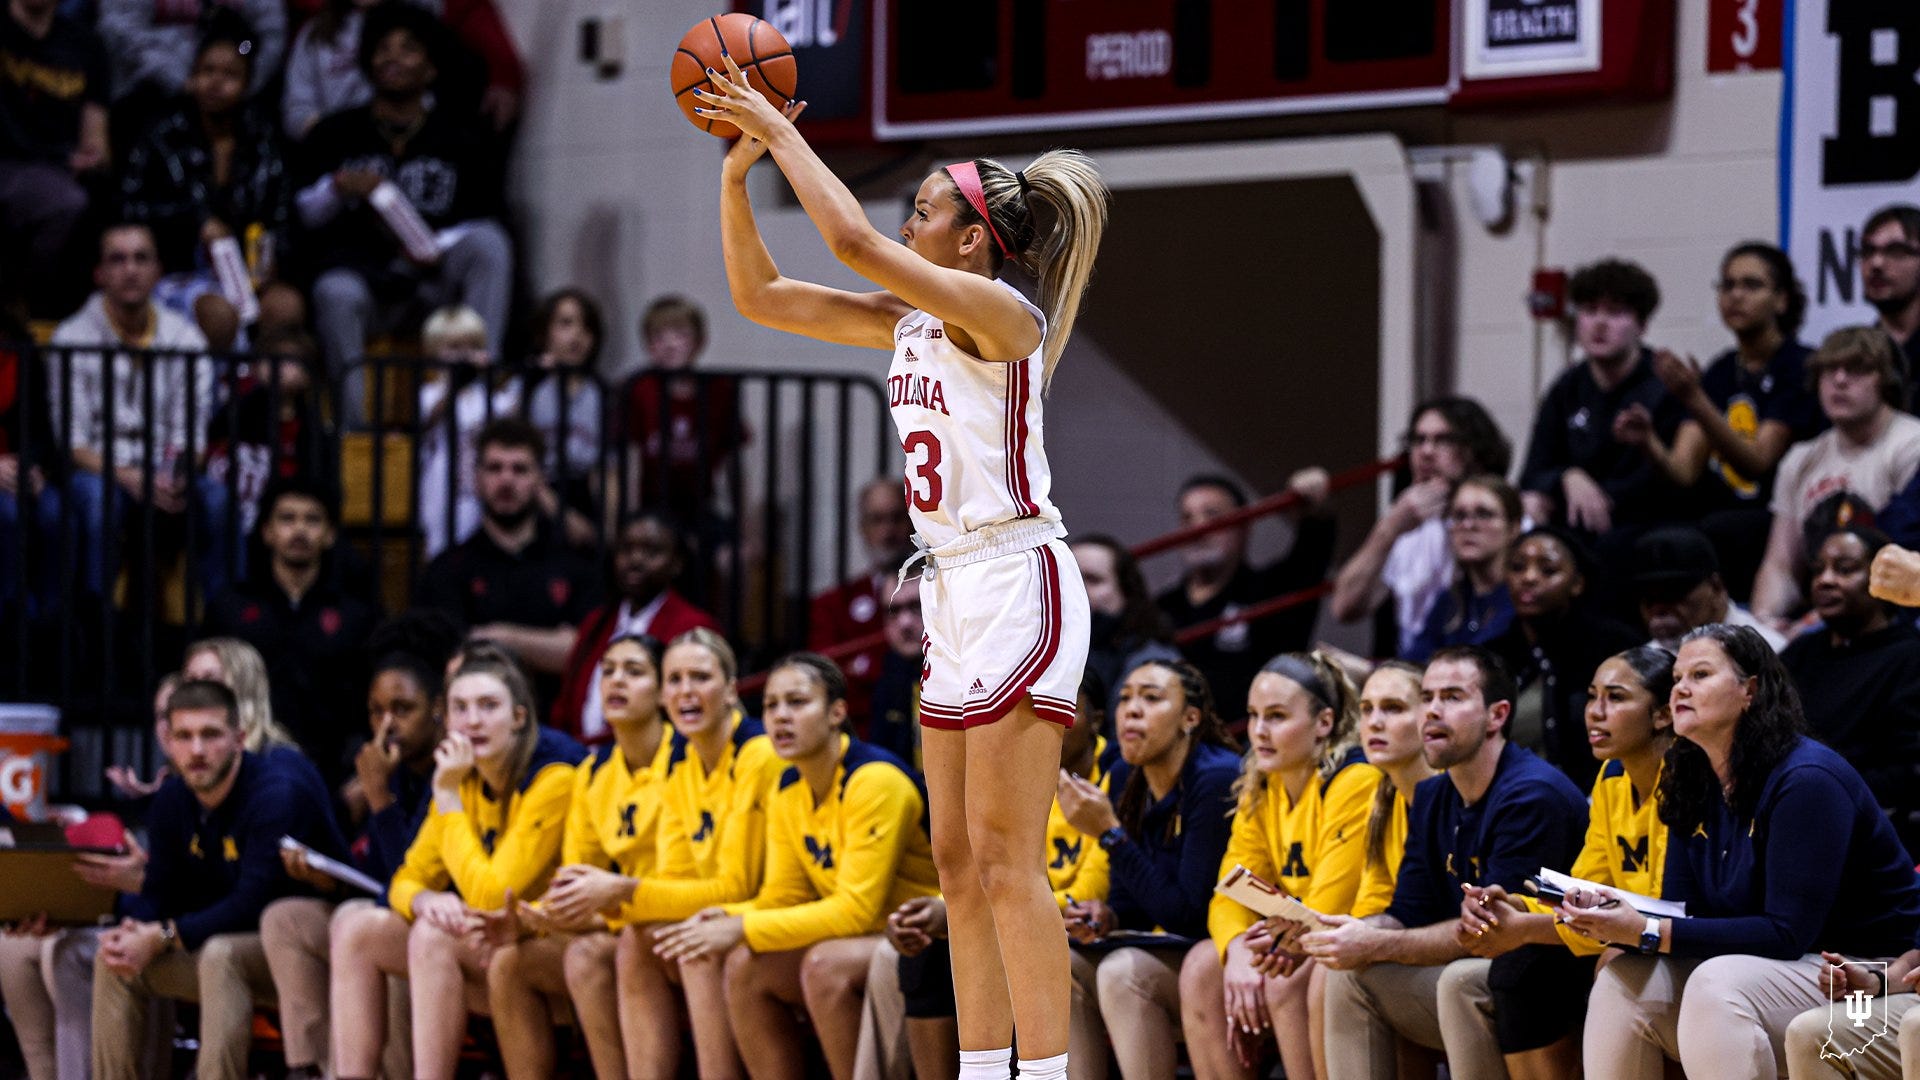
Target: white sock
[987, 1064]
[1053, 1068]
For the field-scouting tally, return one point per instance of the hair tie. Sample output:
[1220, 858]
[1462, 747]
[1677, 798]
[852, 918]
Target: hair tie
[966, 177]
[1021, 177]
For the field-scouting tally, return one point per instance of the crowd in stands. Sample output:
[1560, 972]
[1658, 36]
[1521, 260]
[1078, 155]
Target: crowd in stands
[1644, 652]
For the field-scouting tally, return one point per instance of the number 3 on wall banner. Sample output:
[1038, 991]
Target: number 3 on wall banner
[1849, 141]
[1743, 35]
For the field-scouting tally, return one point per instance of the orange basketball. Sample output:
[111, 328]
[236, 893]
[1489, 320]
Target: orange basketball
[763, 54]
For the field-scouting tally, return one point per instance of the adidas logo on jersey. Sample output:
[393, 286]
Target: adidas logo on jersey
[910, 357]
[976, 689]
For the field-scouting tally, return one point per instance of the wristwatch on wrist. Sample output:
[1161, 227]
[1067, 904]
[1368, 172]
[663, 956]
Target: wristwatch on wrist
[1650, 937]
[1112, 838]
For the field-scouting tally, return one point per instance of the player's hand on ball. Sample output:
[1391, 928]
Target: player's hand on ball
[740, 104]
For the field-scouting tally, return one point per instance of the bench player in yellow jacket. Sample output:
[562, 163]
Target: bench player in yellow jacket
[712, 850]
[501, 786]
[608, 846]
[846, 845]
[1301, 822]
[1629, 727]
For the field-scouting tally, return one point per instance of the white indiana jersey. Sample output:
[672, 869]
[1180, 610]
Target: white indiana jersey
[971, 431]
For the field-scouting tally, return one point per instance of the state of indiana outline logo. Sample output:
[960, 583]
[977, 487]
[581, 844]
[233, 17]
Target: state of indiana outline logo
[1858, 1018]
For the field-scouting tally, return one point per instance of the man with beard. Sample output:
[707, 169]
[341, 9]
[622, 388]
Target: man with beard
[1676, 576]
[1220, 582]
[308, 631]
[648, 558]
[448, 166]
[515, 582]
[1495, 816]
[854, 608]
[214, 864]
[1890, 280]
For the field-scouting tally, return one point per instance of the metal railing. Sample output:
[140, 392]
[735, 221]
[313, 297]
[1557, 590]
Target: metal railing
[115, 554]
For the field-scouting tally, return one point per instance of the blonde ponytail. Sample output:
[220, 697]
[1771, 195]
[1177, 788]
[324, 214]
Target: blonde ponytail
[1052, 216]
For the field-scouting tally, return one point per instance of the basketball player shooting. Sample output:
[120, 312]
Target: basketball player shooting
[1005, 609]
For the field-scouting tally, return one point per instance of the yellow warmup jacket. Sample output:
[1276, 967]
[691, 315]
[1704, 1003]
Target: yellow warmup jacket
[493, 843]
[1626, 846]
[713, 828]
[1077, 866]
[613, 820]
[1377, 879]
[1313, 848]
[839, 868]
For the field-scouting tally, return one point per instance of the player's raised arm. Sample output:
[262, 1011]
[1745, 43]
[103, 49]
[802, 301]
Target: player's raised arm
[995, 321]
[762, 295]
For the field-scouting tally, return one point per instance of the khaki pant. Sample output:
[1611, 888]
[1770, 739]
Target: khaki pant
[883, 1053]
[1822, 1045]
[1369, 1010]
[226, 977]
[1721, 1018]
[1464, 1002]
[293, 931]
[1132, 995]
[47, 983]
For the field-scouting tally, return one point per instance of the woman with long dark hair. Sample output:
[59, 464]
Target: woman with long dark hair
[1164, 834]
[1779, 851]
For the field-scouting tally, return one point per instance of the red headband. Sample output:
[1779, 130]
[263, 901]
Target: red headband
[966, 177]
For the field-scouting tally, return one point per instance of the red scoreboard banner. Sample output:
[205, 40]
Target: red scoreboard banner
[1025, 65]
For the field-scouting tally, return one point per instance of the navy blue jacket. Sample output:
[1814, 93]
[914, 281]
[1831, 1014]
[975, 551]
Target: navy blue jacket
[1530, 817]
[391, 831]
[214, 871]
[1817, 866]
[1163, 875]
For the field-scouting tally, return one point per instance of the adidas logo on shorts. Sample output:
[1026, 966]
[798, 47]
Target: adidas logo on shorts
[976, 689]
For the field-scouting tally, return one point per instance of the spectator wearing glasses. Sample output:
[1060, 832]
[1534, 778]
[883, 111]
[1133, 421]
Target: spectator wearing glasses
[1405, 555]
[1890, 280]
[1483, 517]
[1743, 412]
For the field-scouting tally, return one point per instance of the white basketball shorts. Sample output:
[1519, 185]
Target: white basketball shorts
[999, 630]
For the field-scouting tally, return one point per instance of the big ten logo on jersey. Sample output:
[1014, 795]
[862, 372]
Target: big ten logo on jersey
[921, 390]
[809, 22]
